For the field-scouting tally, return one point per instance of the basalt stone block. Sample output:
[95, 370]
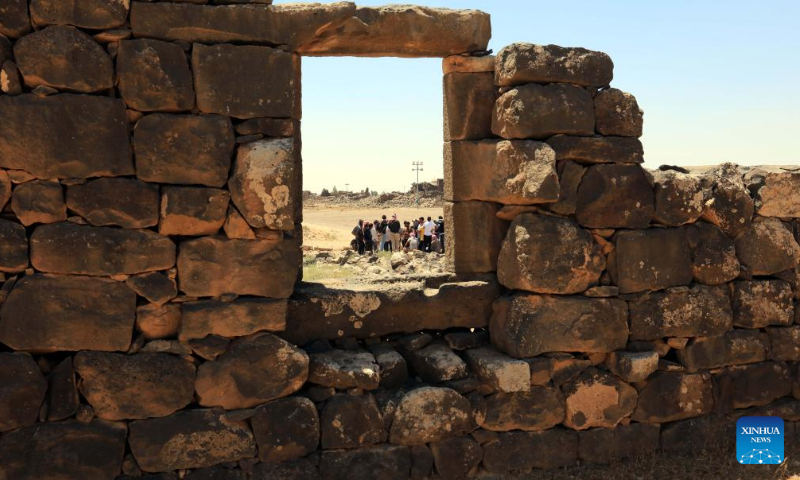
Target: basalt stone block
[239, 318]
[508, 172]
[760, 303]
[123, 202]
[84, 250]
[88, 136]
[144, 385]
[269, 127]
[539, 408]
[212, 266]
[89, 14]
[301, 469]
[280, 440]
[500, 372]
[156, 287]
[680, 198]
[50, 313]
[730, 206]
[265, 183]
[670, 396]
[62, 399]
[693, 311]
[714, 259]
[591, 150]
[767, 247]
[650, 260]
[22, 389]
[784, 343]
[5, 48]
[65, 58]
[545, 254]
[14, 20]
[775, 191]
[429, 415]
[468, 105]
[158, 321]
[253, 370]
[192, 211]
[615, 196]
[511, 452]
[10, 78]
[154, 76]
[632, 366]
[473, 236]
[437, 363]
[67, 449]
[736, 347]
[617, 114]
[344, 369]
[184, 149]
[525, 325]
[570, 175]
[13, 247]
[212, 473]
[5, 188]
[39, 202]
[521, 63]
[236, 227]
[710, 432]
[596, 398]
[606, 445]
[753, 385]
[468, 64]
[388, 462]
[392, 367]
[190, 439]
[541, 111]
[351, 422]
[267, 78]
[456, 457]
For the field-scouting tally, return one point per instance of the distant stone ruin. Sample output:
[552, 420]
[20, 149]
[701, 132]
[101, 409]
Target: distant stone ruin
[154, 321]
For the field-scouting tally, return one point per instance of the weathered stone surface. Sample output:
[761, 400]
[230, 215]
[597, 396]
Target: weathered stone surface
[708, 433]
[189, 439]
[760, 303]
[300, 469]
[184, 149]
[62, 399]
[539, 408]
[670, 396]
[455, 457]
[502, 373]
[592, 150]
[5, 188]
[269, 127]
[597, 399]
[775, 191]
[236, 227]
[525, 325]
[650, 260]
[615, 196]
[265, 183]
[351, 422]
[784, 343]
[215, 266]
[473, 236]
[123, 202]
[390, 462]
[239, 318]
[508, 172]
[90, 14]
[429, 415]
[437, 363]
[541, 111]
[617, 113]
[39, 202]
[121, 387]
[6, 50]
[48, 313]
[280, 440]
[154, 76]
[736, 347]
[468, 105]
[695, 311]
[10, 78]
[14, 21]
[158, 321]
[767, 247]
[192, 211]
[570, 175]
[212, 473]
[392, 366]
[22, 389]
[714, 259]
[753, 385]
[680, 198]
[65, 58]
[730, 206]
[632, 366]
[521, 63]
[546, 254]
[13, 247]
[344, 369]
[79, 249]
[468, 64]
[605, 445]
[268, 81]
[511, 452]
[67, 449]
[88, 136]
[156, 287]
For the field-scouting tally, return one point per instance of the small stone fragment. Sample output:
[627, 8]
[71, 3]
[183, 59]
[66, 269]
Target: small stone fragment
[632, 366]
[156, 287]
[279, 440]
[236, 227]
[502, 373]
[344, 369]
[158, 321]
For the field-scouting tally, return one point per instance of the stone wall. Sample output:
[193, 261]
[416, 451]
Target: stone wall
[151, 319]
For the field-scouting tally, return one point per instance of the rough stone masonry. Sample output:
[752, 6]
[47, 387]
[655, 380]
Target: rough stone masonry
[152, 321]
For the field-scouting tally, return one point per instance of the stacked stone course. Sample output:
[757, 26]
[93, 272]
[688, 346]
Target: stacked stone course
[151, 319]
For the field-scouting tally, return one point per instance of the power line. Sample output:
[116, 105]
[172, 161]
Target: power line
[417, 167]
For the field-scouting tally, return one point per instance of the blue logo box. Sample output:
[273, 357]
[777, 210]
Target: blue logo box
[759, 440]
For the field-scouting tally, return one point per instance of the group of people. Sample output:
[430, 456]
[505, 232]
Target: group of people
[390, 235]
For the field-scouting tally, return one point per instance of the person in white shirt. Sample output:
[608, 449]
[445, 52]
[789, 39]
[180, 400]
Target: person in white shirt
[428, 228]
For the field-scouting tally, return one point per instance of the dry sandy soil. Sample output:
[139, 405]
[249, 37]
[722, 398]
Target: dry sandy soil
[329, 228]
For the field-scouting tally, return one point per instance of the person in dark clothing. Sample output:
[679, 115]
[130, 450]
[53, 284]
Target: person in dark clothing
[358, 232]
[440, 231]
[368, 243]
[394, 233]
[383, 232]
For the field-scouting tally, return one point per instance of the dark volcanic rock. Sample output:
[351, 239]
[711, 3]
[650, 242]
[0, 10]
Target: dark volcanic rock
[597, 149]
[62, 401]
[761, 303]
[511, 451]
[344, 369]
[521, 63]
[732, 348]
[89, 14]
[615, 196]
[753, 385]
[785, 344]
[670, 396]
[389, 462]
[540, 408]
[241, 317]
[13, 247]
[300, 469]
[280, 440]
[695, 311]
[14, 21]
[541, 111]
[22, 389]
[730, 206]
[617, 114]
[455, 457]
[192, 211]
[680, 198]
[123, 202]
[767, 247]
[39, 202]
[473, 236]
[714, 259]
[351, 422]
[431, 414]
[154, 76]
[468, 105]
[606, 445]
[650, 260]
[596, 398]
[156, 287]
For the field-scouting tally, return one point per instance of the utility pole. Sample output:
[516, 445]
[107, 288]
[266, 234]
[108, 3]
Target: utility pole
[347, 187]
[417, 168]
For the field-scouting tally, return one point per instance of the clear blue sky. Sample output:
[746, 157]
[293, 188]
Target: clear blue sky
[718, 81]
